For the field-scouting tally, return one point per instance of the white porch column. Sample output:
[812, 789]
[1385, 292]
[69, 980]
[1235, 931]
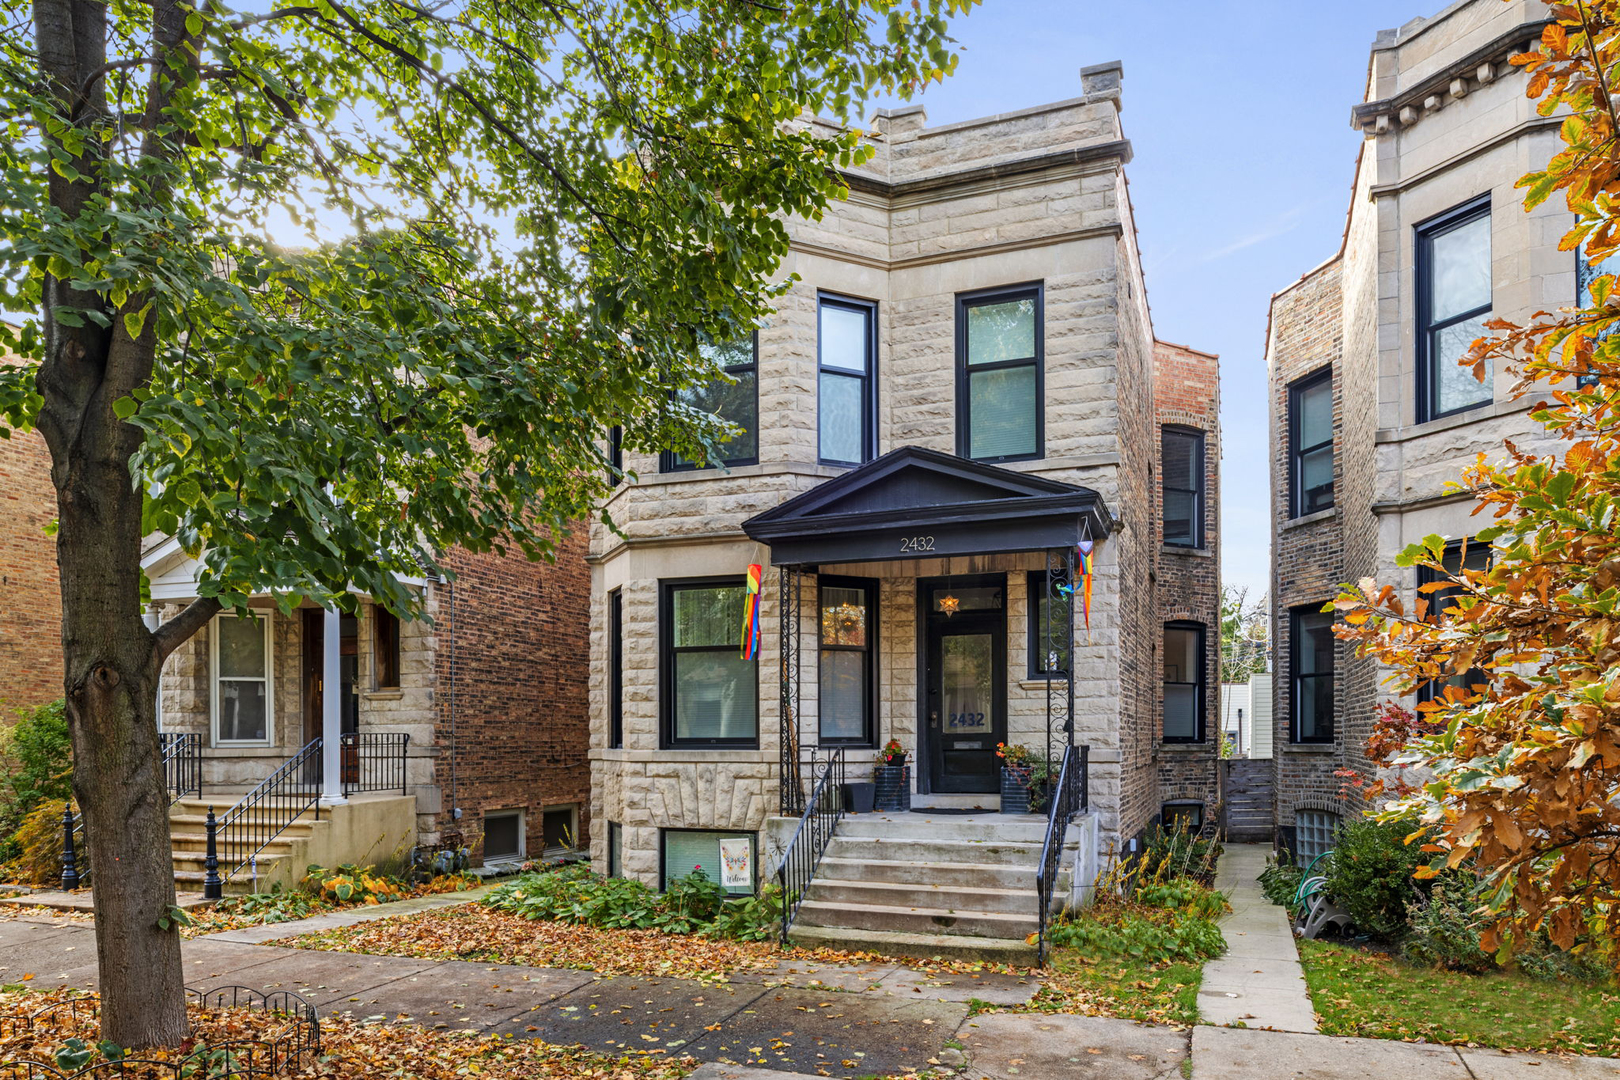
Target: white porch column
[150, 619]
[331, 709]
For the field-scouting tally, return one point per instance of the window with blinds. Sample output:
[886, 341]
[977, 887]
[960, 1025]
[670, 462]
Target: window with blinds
[999, 378]
[711, 694]
[725, 857]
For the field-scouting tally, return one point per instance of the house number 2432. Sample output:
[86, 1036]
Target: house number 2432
[917, 543]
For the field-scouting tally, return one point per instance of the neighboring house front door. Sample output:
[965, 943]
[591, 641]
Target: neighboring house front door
[965, 683]
[314, 685]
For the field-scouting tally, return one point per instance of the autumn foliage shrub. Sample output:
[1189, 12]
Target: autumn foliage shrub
[38, 845]
[36, 764]
[350, 884]
[1370, 875]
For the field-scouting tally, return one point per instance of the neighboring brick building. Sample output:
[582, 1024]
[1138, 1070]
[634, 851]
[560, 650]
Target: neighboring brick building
[1370, 416]
[961, 385]
[30, 598]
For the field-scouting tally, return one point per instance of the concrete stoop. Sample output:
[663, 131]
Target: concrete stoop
[367, 829]
[921, 885]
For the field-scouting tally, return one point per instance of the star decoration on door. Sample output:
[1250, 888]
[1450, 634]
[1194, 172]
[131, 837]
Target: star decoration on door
[948, 604]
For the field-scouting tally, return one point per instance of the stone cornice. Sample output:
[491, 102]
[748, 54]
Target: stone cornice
[1114, 150]
[976, 251]
[1456, 80]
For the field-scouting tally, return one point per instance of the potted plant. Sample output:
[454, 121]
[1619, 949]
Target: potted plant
[893, 778]
[1017, 766]
[1042, 775]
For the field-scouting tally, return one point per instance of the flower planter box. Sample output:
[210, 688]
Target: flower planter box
[893, 788]
[1015, 790]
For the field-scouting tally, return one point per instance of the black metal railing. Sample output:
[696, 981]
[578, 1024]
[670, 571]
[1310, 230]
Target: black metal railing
[261, 815]
[182, 763]
[375, 761]
[1069, 797]
[822, 812]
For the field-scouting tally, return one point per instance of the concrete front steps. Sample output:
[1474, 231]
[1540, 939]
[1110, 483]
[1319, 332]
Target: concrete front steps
[368, 829]
[922, 885]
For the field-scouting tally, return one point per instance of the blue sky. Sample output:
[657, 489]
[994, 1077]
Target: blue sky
[1239, 117]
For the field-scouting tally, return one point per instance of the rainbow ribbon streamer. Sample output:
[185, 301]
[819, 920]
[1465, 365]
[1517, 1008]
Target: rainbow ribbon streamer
[1085, 547]
[750, 625]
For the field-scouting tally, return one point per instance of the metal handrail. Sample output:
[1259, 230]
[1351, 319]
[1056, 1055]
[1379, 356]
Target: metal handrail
[374, 761]
[265, 812]
[1069, 796]
[182, 763]
[822, 812]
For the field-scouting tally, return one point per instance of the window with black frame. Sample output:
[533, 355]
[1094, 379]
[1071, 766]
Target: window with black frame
[1453, 302]
[1310, 439]
[999, 379]
[1182, 470]
[846, 348]
[1051, 634]
[1585, 275]
[735, 399]
[711, 694]
[1459, 556]
[848, 629]
[1311, 645]
[1183, 682]
[616, 669]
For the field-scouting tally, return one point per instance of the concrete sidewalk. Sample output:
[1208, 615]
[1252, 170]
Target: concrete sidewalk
[1259, 982]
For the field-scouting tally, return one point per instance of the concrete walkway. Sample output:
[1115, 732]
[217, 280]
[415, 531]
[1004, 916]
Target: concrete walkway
[794, 1023]
[1259, 982]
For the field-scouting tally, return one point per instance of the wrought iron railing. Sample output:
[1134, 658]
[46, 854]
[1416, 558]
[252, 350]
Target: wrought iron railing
[262, 815]
[375, 761]
[182, 763]
[822, 812]
[1070, 796]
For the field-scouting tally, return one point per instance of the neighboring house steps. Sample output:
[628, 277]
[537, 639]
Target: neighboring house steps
[1249, 813]
[367, 829]
[932, 885]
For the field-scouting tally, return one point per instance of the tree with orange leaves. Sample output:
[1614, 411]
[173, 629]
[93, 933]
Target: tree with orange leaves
[1521, 768]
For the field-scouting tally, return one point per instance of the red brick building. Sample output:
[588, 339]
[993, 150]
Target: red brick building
[30, 601]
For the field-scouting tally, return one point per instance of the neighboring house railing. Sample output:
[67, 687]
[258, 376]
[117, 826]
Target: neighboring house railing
[182, 763]
[1070, 795]
[263, 814]
[815, 829]
[375, 761]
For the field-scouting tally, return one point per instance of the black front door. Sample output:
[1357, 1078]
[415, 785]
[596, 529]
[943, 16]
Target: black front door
[965, 683]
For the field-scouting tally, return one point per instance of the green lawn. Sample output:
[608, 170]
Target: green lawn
[1373, 995]
[1130, 989]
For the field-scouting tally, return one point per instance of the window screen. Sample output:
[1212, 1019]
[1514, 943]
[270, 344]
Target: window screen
[241, 679]
[847, 350]
[1456, 559]
[503, 835]
[686, 850]
[1312, 663]
[848, 628]
[1051, 630]
[385, 640]
[615, 846]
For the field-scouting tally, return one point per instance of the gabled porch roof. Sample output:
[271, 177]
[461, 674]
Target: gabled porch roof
[915, 503]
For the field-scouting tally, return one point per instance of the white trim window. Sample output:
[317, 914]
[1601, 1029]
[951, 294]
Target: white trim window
[243, 709]
[505, 836]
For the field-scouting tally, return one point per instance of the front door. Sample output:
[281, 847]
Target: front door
[965, 683]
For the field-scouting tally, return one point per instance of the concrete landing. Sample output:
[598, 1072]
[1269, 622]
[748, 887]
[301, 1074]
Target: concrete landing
[1259, 982]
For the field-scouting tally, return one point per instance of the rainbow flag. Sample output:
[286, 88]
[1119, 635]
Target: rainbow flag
[750, 625]
[1085, 583]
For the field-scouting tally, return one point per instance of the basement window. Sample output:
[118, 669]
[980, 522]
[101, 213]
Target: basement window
[560, 830]
[503, 836]
[1314, 831]
[726, 857]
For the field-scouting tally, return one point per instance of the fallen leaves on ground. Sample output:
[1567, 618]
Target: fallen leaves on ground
[350, 1050]
[473, 932]
[1127, 989]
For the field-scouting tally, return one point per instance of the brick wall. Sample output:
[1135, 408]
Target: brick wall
[1187, 393]
[512, 671]
[30, 600]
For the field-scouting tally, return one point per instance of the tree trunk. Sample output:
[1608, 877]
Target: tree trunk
[110, 659]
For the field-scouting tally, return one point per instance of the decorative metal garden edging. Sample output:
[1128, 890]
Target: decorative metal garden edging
[247, 1059]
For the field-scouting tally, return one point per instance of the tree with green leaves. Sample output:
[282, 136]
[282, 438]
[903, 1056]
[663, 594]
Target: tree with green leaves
[1245, 634]
[326, 288]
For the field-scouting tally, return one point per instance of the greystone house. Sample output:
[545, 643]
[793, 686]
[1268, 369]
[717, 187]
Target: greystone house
[1371, 416]
[956, 396]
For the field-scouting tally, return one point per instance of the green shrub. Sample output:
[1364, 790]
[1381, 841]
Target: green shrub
[1179, 852]
[1184, 895]
[277, 905]
[35, 765]
[1443, 930]
[1280, 881]
[694, 904]
[1371, 874]
[751, 918]
[1110, 930]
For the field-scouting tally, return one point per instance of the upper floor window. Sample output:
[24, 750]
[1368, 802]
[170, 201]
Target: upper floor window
[1453, 302]
[1183, 682]
[1458, 556]
[999, 395]
[1310, 642]
[846, 346]
[1182, 469]
[385, 646]
[735, 399]
[710, 693]
[848, 633]
[1310, 444]
[615, 455]
[616, 669]
[1585, 275]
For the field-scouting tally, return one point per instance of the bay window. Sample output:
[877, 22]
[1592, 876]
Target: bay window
[999, 351]
[1453, 301]
[735, 399]
[846, 348]
[711, 694]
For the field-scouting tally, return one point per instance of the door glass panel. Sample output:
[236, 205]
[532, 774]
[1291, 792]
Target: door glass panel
[949, 601]
[966, 684]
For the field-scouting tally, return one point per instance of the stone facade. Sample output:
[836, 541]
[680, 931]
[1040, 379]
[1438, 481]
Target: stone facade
[491, 692]
[1446, 123]
[1032, 197]
[30, 599]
